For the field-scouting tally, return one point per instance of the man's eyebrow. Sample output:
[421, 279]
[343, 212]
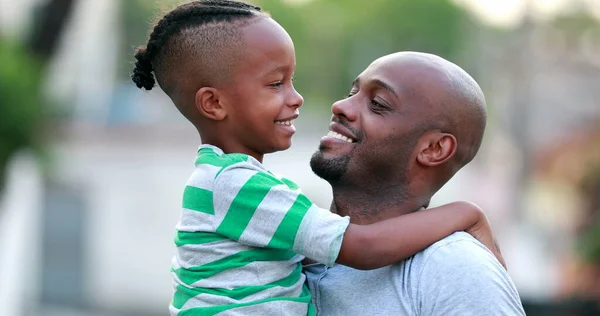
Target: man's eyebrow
[385, 86]
[378, 83]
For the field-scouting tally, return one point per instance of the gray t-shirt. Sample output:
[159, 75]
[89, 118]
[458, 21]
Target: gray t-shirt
[455, 276]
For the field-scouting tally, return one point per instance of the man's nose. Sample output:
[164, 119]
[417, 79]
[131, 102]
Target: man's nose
[345, 109]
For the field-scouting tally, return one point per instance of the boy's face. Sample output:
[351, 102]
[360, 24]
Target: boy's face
[262, 100]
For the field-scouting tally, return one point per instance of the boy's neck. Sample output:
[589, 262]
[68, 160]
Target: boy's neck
[231, 148]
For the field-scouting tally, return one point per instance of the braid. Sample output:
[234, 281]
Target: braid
[142, 72]
[193, 14]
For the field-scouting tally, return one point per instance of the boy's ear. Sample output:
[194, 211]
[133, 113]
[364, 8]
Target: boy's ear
[209, 104]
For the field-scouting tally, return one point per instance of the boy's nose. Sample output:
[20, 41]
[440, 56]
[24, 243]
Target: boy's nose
[295, 100]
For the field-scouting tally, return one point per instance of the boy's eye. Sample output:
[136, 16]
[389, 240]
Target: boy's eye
[276, 84]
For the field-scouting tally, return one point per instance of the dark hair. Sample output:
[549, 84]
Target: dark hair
[193, 14]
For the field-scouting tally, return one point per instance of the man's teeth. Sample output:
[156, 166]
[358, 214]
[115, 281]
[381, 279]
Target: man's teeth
[288, 123]
[340, 136]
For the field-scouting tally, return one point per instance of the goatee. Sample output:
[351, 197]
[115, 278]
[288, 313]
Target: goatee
[331, 170]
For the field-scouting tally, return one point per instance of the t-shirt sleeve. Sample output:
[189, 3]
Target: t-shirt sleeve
[257, 209]
[462, 278]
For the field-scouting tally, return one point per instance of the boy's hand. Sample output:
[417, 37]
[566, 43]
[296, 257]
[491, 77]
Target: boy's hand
[482, 231]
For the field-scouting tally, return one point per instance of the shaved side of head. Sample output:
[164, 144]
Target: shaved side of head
[211, 50]
[197, 44]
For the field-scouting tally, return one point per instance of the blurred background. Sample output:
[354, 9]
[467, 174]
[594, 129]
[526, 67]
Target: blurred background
[92, 169]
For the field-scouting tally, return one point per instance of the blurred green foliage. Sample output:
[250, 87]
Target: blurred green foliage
[137, 18]
[20, 108]
[588, 241]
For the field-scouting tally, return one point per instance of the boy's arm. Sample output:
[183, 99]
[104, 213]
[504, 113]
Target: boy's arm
[267, 213]
[383, 243]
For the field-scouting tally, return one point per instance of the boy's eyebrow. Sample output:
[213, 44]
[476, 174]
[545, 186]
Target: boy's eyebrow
[277, 70]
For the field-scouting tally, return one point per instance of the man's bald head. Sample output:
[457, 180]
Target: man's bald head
[451, 101]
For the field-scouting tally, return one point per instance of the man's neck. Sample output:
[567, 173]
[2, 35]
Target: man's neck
[366, 206]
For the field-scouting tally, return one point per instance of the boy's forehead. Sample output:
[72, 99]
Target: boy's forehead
[266, 33]
[267, 48]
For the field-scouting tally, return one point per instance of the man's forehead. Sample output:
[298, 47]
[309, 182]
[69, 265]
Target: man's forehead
[407, 72]
[385, 73]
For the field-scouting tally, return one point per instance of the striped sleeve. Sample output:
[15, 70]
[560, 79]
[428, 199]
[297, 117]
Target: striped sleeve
[257, 209]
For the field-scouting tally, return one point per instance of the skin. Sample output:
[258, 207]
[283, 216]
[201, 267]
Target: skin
[413, 116]
[243, 116]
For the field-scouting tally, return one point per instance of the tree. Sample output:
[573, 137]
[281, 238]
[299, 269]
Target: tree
[23, 64]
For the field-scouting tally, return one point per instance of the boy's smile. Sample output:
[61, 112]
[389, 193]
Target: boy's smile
[287, 123]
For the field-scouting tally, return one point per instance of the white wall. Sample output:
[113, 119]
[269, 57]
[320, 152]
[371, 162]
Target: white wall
[20, 236]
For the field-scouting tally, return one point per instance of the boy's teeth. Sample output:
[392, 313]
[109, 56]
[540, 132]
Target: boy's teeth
[339, 136]
[288, 123]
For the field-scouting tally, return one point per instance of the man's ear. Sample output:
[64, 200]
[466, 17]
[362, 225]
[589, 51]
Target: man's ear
[208, 103]
[436, 148]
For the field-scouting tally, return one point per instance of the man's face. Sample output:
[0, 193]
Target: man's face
[374, 130]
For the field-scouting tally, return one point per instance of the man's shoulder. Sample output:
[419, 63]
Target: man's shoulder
[458, 251]
[454, 245]
[457, 269]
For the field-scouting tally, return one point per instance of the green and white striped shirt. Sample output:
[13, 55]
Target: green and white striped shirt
[242, 234]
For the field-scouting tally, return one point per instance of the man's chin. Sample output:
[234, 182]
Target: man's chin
[330, 169]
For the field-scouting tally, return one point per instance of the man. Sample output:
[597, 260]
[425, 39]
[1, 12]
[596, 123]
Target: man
[412, 121]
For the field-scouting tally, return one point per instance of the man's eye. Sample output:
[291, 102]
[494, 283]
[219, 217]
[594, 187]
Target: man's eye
[377, 107]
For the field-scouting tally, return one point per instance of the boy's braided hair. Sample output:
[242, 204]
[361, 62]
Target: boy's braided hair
[179, 38]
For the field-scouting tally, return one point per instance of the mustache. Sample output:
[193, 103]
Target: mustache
[357, 133]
